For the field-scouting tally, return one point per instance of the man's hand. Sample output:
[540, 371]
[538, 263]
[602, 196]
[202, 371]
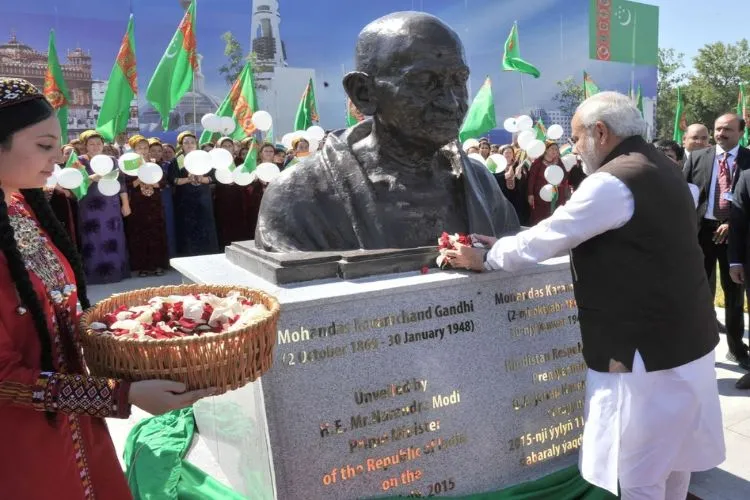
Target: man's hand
[531, 201]
[737, 273]
[721, 234]
[487, 241]
[465, 257]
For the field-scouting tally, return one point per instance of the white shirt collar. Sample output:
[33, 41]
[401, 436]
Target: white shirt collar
[732, 152]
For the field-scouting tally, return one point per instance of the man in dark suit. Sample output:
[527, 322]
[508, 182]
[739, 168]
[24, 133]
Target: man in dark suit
[715, 171]
[739, 242]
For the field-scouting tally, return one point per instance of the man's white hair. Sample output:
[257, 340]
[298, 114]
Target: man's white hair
[616, 111]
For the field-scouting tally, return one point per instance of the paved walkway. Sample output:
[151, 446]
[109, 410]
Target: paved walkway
[729, 481]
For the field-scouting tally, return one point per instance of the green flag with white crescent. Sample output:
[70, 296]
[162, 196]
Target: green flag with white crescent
[512, 56]
[55, 89]
[251, 160]
[121, 89]
[174, 74]
[74, 162]
[307, 112]
[239, 104]
[480, 118]
[742, 112]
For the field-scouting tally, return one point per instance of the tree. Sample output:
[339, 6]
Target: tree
[569, 96]
[713, 88]
[236, 60]
[671, 74]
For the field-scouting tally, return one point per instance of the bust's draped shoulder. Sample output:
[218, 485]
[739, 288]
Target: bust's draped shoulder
[326, 201]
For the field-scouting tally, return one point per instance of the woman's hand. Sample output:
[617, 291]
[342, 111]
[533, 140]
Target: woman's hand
[531, 201]
[126, 210]
[95, 177]
[160, 396]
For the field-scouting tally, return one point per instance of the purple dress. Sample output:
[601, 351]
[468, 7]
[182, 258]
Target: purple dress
[103, 246]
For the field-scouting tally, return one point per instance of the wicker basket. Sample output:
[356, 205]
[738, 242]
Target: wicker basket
[223, 361]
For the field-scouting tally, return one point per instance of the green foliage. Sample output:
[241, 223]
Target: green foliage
[236, 60]
[709, 90]
[569, 96]
[671, 71]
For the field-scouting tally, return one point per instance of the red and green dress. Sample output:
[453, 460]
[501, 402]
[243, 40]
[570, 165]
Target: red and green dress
[71, 457]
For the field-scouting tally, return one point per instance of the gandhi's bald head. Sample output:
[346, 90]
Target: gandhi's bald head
[389, 44]
[696, 137]
[411, 76]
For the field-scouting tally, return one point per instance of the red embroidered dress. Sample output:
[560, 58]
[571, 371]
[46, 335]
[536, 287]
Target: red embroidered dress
[74, 458]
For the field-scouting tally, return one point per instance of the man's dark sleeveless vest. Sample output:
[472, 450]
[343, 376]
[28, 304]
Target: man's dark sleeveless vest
[642, 286]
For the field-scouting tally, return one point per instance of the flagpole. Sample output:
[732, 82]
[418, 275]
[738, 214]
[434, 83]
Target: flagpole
[632, 66]
[523, 95]
[562, 48]
[195, 127]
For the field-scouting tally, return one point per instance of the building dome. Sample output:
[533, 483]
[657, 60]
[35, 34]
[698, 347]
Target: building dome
[14, 44]
[15, 51]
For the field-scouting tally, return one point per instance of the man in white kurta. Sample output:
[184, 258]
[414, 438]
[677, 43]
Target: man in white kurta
[646, 430]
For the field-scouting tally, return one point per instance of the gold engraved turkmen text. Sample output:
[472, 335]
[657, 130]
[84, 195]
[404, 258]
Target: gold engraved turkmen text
[532, 293]
[539, 359]
[540, 310]
[534, 398]
[546, 433]
[558, 373]
[553, 451]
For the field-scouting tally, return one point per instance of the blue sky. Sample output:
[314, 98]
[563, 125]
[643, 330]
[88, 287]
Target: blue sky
[320, 34]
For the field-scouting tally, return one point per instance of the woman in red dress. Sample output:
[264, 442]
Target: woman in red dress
[51, 411]
[229, 207]
[146, 227]
[541, 209]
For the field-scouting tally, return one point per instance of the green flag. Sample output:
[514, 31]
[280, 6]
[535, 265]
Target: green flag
[307, 112]
[624, 31]
[251, 160]
[55, 89]
[121, 89]
[512, 56]
[589, 87]
[240, 104]
[353, 115]
[680, 122]
[541, 130]
[742, 113]
[174, 74]
[639, 99]
[480, 118]
[74, 162]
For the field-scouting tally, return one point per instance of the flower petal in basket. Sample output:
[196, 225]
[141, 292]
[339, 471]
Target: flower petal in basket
[225, 361]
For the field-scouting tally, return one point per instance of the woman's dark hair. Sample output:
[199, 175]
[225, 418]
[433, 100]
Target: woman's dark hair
[665, 144]
[33, 112]
[264, 146]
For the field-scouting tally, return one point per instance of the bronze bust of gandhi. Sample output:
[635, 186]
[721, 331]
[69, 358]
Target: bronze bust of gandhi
[398, 179]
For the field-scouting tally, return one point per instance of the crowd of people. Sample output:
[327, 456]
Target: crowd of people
[182, 215]
[187, 215]
[523, 178]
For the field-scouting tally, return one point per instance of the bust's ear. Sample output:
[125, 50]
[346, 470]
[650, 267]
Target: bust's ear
[359, 86]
